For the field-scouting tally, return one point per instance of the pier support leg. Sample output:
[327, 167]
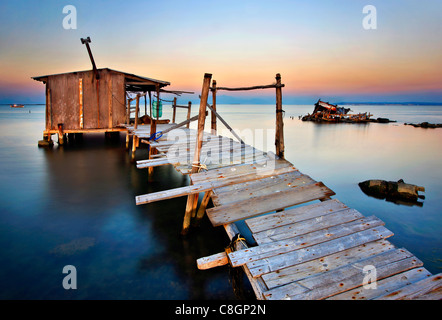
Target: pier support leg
[192, 200]
[127, 140]
[134, 147]
[202, 208]
[60, 134]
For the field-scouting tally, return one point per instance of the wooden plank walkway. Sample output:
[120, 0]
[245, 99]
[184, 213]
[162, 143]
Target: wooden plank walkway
[320, 250]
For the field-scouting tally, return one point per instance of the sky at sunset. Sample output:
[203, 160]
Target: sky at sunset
[320, 48]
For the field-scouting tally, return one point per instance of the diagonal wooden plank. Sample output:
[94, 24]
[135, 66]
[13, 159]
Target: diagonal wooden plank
[205, 186]
[348, 277]
[428, 288]
[260, 267]
[262, 204]
[325, 264]
[223, 173]
[384, 286]
[294, 215]
[276, 183]
[307, 226]
[238, 258]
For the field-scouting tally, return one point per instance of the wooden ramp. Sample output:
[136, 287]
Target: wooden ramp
[320, 250]
[308, 246]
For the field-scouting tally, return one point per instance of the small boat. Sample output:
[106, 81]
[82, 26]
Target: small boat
[17, 106]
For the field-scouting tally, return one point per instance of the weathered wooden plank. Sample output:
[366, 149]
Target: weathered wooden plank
[259, 169]
[383, 286]
[347, 277]
[261, 187]
[262, 204]
[260, 267]
[200, 187]
[184, 157]
[307, 226]
[428, 288]
[294, 215]
[325, 264]
[215, 260]
[270, 249]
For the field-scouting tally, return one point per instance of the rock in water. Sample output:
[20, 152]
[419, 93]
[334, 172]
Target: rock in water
[391, 190]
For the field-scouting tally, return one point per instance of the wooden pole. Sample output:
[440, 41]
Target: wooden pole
[80, 102]
[137, 109]
[213, 126]
[60, 134]
[174, 110]
[193, 199]
[279, 132]
[188, 113]
[110, 102]
[203, 206]
[158, 101]
[145, 104]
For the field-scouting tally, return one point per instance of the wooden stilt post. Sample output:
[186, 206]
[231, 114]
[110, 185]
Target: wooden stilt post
[153, 130]
[60, 134]
[279, 132]
[137, 109]
[189, 109]
[213, 123]
[174, 110]
[191, 199]
[158, 101]
[127, 140]
[203, 206]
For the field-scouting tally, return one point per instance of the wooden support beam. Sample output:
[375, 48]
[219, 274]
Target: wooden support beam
[279, 132]
[270, 86]
[188, 113]
[80, 103]
[60, 134]
[137, 110]
[203, 206]
[174, 110]
[215, 260]
[213, 122]
[110, 99]
[196, 159]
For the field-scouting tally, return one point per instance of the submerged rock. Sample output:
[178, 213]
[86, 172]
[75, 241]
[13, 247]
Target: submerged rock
[392, 191]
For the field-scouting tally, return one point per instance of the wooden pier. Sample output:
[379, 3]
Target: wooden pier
[308, 246]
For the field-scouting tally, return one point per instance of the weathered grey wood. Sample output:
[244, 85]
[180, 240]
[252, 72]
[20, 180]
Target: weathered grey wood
[261, 187]
[257, 283]
[265, 169]
[307, 226]
[270, 86]
[270, 249]
[325, 264]
[262, 204]
[294, 215]
[428, 288]
[199, 187]
[260, 267]
[346, 278]
[215, 260]
[383, 286]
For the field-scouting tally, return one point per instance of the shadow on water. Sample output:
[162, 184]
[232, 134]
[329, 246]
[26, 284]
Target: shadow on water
[128, 251]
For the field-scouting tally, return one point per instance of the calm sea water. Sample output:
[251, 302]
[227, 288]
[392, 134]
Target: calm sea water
[75, 205]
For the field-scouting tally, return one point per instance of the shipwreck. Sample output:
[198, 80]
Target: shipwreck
[327, 112]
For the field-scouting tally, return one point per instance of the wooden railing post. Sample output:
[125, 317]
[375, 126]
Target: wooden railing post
[213, 122]
[188, 113]
[174, 110]
[137, 109]
[192, 199]
[279, 132]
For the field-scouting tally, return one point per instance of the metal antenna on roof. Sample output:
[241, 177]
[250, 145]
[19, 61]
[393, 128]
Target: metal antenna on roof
[86, 42]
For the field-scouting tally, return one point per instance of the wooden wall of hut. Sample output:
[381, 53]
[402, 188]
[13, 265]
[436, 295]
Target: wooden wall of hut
[102, 112]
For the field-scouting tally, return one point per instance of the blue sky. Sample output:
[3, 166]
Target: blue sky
[319, 47]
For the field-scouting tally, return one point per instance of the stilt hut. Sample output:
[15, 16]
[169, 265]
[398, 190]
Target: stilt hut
[91, 101]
